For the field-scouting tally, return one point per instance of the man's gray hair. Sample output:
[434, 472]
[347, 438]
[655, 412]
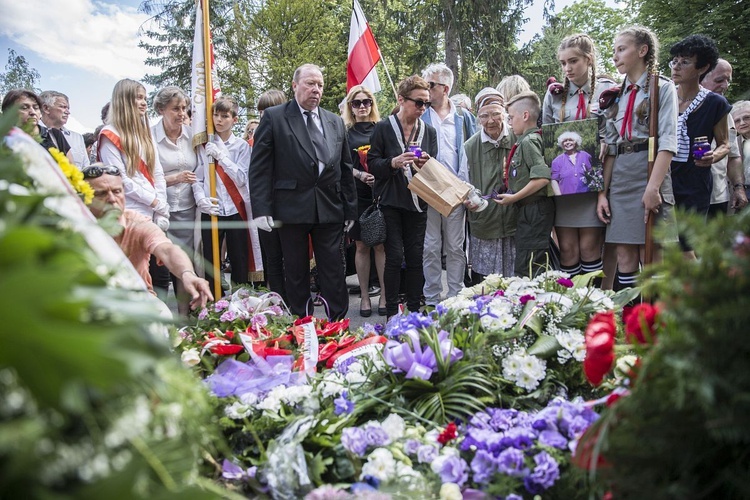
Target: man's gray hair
[304, 67]
[442, 71]
[49, 97]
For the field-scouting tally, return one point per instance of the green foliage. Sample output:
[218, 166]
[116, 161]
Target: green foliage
[673, 20]
[92, 404]
[18, 74]
[684, 430]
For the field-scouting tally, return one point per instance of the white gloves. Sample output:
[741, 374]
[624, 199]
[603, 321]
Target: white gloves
[162, 208]
[348, 224]
[162, 222]
[216, 152]
[209, 206]
[263, 223]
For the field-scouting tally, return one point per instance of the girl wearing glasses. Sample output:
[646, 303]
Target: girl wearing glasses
[702, 113]
[126, 143]
[630, 195]
[360, 116]
[579, 231]
[391, 161]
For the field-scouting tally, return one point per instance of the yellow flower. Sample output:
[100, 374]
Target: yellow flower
[74, 176]
[364, 148]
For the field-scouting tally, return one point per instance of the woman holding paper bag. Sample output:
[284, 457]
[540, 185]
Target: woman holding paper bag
[397, 143]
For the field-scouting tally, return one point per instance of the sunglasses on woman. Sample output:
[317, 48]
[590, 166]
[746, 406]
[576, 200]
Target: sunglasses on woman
[357, 103]
[94, 172]
[419, 102]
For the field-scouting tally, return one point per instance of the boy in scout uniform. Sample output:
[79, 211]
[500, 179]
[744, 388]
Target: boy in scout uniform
[526, 179]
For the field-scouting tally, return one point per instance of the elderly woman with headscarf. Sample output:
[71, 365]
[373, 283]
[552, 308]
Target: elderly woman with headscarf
[492, 246]
[568, 174]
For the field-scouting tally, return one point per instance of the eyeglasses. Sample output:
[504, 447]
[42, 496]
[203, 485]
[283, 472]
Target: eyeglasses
[356, 103]
[432, 84]
[679, 63]
[497, 116]
[94, 172]
[418, 102]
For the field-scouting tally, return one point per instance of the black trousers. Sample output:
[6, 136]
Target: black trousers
[234, 230]
[273, 261]
[404, 242]
[326, 241]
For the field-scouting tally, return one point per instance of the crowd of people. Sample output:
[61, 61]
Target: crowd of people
[292, 188]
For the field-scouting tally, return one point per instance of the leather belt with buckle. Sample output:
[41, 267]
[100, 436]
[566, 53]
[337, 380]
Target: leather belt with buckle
[624, 149]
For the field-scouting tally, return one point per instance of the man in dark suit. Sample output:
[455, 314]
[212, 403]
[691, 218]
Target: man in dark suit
[301, 183]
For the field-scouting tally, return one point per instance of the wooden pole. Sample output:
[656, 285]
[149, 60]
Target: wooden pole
[653, 145]
[208, 58]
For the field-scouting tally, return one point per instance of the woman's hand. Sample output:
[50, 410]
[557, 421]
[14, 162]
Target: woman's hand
[367, 178]
[651, 202]
[602, 208]
[403, 160]
[706, 160]
[422, 159]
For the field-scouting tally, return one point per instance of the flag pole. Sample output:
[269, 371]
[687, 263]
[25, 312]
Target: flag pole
[388, 74]
[208, 62]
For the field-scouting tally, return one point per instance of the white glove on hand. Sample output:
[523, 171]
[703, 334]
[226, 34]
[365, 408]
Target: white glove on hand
[162, 222]
[162, 208]
[209, 206]
[348, 225]
[215, 152]
[263, 223]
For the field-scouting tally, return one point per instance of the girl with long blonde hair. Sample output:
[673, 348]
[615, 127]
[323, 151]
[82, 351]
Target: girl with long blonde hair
[126, 143]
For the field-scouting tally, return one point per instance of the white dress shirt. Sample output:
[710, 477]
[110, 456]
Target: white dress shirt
[446, 138]
[77, 146]
[236, 167]
[175, 158]
[139, 193]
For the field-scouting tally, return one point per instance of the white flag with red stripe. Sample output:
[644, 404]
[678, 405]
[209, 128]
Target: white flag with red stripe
[364, 53]
[198, 78]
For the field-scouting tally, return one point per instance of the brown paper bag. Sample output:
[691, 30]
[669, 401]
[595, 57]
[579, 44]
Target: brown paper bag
[439, 187]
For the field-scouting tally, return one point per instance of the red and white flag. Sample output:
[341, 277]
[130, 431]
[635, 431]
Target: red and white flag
[364, 53]
[202, 43]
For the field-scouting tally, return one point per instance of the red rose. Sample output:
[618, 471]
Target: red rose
[600, 342]
[640, 316]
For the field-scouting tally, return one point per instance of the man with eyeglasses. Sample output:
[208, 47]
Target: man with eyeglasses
[55, 112]
[140, 237]
[445, 234]
[729, 181]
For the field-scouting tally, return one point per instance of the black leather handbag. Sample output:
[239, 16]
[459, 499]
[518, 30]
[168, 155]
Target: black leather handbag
[372, 225]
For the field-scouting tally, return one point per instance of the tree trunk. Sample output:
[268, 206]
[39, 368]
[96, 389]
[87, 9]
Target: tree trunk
[451, 42]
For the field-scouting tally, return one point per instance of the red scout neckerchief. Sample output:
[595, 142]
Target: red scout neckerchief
[627, 120]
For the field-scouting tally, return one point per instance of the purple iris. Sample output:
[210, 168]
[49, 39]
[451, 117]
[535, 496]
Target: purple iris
[415, 360]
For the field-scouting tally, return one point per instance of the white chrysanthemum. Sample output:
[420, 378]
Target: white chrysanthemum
[295, 394]
[380, 465]
[599, 298]
[563, 356]
[355, 378]
[526, 381]
[394, 426]
[507, 321]
[459, 304]
[511, 365]
[489, 322]
[500, 305]
[533, 366]
[238, 410]
[493, 281]
[570, 339]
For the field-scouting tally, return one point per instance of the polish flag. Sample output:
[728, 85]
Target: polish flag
[364, 53]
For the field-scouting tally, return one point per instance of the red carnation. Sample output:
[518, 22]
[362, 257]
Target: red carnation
[448, 434]
[640, 316]
[600, 342]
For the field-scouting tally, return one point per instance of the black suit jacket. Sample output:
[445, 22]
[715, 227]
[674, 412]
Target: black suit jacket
[283, 176]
